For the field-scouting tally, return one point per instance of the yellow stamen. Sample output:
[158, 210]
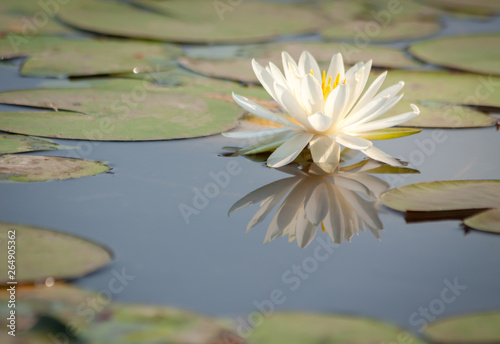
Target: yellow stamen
[326, 86]
[323, 227]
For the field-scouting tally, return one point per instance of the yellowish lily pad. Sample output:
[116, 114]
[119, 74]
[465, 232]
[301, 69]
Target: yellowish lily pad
[476, 53]
[466, 329]
[50, 255]
[444, 196]
[300, 328]
[34, 168]
[487, 221]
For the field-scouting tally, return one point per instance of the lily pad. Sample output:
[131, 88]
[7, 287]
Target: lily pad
[27, 19]
[468, 328]
[130, 110]
[487, 221]
[50, 255]
[34, 168]
[476, 53]
[240, 69]
[110, 322]
[366, 31]
[59, 57]
[444, 196]
[476, 7]
[194, 21]
[10, 143]
[300, 328]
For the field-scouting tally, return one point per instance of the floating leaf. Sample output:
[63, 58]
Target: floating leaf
[10, 143]
[444, 196]
[468, 328]
[240, 69]
[93, 319]
[193, 21]
[476, 7]
[50, 254]
[300, 328]
[476, 53]
[370, 31]
[34, 168]
[128, 110]
[487, 221]
[59, 57]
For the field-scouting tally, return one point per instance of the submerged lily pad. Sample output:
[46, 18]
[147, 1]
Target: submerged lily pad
[300, 328]
[468, 328]
[444, 196]
[10, 143]
[130, 110]
[476, 53]
[240, 69]
[59, 57]
[50, 254]
[109, 322]
[194, 21]
[34, 168]
[487, 221]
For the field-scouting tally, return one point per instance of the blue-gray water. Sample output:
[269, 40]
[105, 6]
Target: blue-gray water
[210, 265]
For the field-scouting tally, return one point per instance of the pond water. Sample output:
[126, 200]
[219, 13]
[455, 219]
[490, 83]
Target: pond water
[211, 266]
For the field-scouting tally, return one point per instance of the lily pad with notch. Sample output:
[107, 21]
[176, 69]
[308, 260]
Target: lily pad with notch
[35, 168]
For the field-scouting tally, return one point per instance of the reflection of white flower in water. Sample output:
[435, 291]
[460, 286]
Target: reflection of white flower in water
[339, 203]
[327, 111]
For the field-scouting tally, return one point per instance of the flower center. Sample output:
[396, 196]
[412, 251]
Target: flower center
[327, 86]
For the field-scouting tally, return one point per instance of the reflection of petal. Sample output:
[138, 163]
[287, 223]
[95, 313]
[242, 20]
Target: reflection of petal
[366, 210]
[372, 186]
[304, 230]
[334, 221]
[316, 203]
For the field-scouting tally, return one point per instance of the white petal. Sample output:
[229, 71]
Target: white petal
[291, 72]
[389, 121]
[289, 150]
[377, 154]
[324, 150]
[264, 77]
[370, 92]
[292, 106]
[351, 141]
[252, 134]
[336, 102]
[354, 117]
[312, 95]
[336, 67]
[376, 114]
[390, 91]
[320, 122]
[307, 63]
[277, 75]
[258, 110]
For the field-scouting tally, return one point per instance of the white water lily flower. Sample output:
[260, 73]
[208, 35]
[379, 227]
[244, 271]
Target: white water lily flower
[327, 109]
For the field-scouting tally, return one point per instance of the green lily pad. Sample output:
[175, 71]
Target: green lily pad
[129, 110]
[240, 69]
[487, 221]
[476, 54]
[468, 328]
[59, 57]
[34, 168]
[476, 7]
[300, 328]
[370, 31]
[451, 195]
[50, 255]
[27, 19]
[196, 21]
[10, 143]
